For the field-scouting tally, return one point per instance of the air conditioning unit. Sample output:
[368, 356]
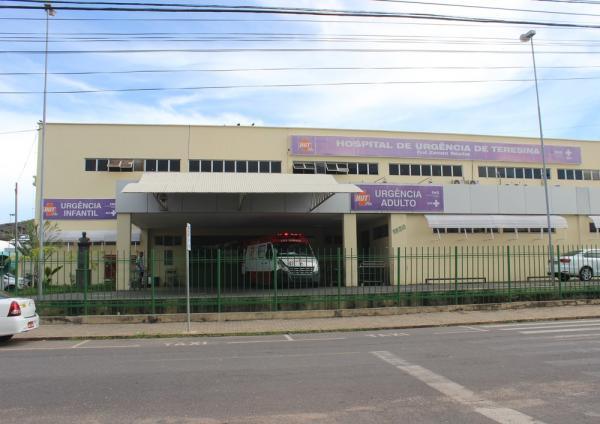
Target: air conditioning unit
[455, 182]
[473, 182]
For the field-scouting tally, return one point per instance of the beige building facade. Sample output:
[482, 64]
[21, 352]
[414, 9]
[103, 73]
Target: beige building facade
[134, 187]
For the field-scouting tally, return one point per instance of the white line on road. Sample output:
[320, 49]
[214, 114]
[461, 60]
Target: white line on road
[222, 358]
[466, 330]
[557, 330]
[23, 349]
[321, 339]
[288, 337]
[530, 323]
[79, 344]
[458, 393]
[538, 327]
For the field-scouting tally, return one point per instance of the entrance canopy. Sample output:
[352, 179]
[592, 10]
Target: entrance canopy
[193, 182]
[494, 221]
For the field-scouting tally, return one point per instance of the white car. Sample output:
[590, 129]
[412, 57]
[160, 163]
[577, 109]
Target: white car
[17, 315]
[8, 282]
[584, 264]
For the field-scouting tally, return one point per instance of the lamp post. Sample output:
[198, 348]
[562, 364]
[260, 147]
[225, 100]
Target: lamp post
[49, 12]
[16, 234]
[528, 36]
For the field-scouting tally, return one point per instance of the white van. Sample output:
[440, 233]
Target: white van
[289, 254]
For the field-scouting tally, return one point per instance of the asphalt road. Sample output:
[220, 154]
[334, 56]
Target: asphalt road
[547, 372]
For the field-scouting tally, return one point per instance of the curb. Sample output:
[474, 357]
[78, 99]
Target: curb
[297, 331]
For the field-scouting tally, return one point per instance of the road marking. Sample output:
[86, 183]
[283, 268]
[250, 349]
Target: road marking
[79, 344]
[320, 339]
[288, 337]
[458, 393]
[387, 335]
[582, 361]
[23, 349]
[221, 358]
[467, 330]
[527, 324]
[555, 330]
[550, 326]
[187, 344]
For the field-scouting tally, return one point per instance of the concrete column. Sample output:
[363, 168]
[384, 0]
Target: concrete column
[397, 228]
[351, 250]
[123, 251]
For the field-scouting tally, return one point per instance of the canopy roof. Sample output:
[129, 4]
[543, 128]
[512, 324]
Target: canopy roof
[197, 182]
[494, 221]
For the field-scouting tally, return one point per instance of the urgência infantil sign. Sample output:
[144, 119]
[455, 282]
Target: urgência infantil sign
[398, 198]
[432, 149]
[79, 209]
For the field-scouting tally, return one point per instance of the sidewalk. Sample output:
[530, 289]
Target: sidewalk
[308, 325]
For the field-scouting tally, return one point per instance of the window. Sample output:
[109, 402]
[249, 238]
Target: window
[205, 166]
[570, 174]
[150, 165]
[404, 170]
[457, 171]
[528, 173]
[363, 169]
[519, 173]
[578, 174]
[426, 170]
[90, 164]
[373, 169]
[353, 168]
[168, 257]
[340, 168]
[447, 170]
[275, 167]
[393, 169]
[510, 172]
[217, 166]
[163, 165]
[252, 166]
[561, 174]
[482, 172]
[593, 228]
[194, 166]
[436, 170]
[415, 170]
[264, 166]
[138, 165]
[537, 173]
[229, 166]
[240, 166]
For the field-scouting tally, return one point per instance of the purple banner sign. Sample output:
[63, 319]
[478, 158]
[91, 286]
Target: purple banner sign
[79, 209]
[398, 198]
[431, 149]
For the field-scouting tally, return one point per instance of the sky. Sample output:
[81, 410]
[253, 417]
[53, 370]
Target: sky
[380, 73]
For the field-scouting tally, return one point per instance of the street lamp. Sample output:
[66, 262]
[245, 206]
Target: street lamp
[528, 36]
[49, 12]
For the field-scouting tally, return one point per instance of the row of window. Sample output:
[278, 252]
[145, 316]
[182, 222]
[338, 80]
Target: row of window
[579, 174]
[510, 172]
[489, 230]
[339, 168]
[131, 165]
[426, 170]
[240, 166]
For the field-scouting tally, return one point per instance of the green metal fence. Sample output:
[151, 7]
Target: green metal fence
[224, 280]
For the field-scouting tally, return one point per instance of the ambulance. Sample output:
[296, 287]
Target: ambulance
[289, 254]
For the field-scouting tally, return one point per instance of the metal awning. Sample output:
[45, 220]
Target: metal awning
[193, 182]
[495, 221]
[596, 220]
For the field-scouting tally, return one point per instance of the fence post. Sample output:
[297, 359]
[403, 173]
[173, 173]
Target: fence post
[152, 279]
[508, 270]
[219, 280]
[398, 275]
[455, 275]
[560, 295]
[275, 277]
[85, 282]
[339, 277]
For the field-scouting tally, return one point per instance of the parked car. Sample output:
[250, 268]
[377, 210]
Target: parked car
[8, 282]
[17, 315]
[584, 264]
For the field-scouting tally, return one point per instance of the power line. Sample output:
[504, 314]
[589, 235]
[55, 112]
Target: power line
[309, 68]
[470, 6]
[302, 11]
[291, 50]
[16, 132]
[221, 87]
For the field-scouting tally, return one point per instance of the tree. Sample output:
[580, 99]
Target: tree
[29, 247]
